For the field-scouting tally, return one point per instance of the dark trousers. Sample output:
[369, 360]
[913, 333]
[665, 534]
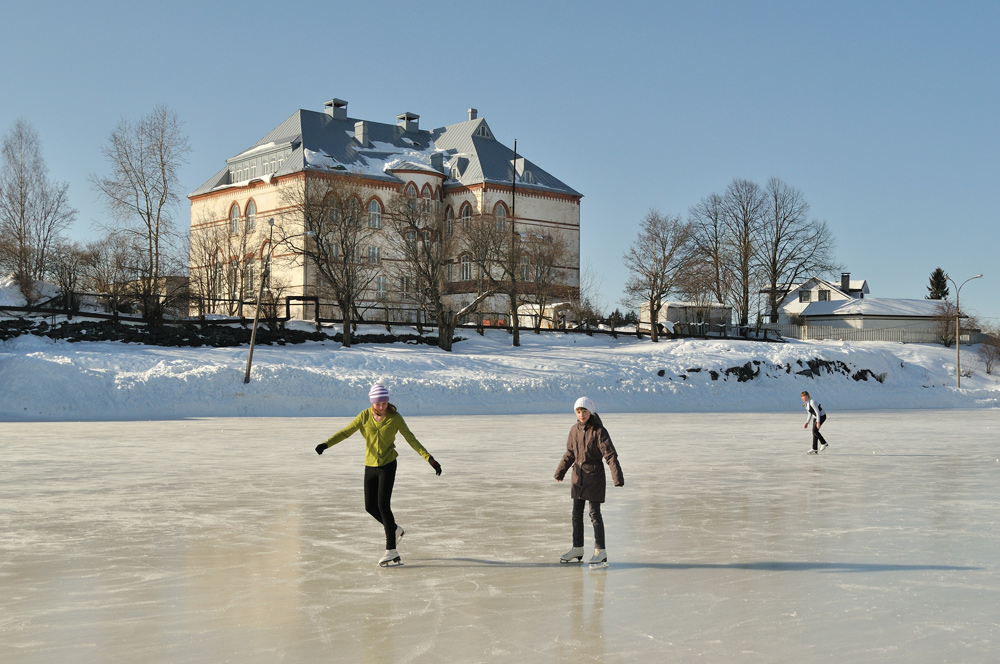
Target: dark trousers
[378, 496]
[595, 518]
[817, 436]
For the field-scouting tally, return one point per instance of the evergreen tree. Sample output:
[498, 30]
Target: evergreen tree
[938, 288]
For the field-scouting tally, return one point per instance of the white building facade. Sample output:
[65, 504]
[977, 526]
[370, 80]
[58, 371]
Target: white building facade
[460, 169]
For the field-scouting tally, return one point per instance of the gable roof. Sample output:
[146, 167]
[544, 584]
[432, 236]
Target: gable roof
[319, 142]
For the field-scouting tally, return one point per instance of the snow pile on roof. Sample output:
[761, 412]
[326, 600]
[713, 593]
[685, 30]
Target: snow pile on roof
[874, 306]
[318, 159]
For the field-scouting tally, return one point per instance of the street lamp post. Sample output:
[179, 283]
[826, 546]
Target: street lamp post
[264, 274]
[958, 330]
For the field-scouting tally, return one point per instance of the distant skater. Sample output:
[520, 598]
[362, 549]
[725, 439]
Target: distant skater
[379, 426]
[587, 445]
[816, 418]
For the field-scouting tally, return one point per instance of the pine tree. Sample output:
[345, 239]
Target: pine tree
[938, 288]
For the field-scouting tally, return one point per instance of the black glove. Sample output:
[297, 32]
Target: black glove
[320, 448]
[435, 465]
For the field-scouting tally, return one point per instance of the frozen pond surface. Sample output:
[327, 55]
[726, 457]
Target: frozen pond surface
[230, 540]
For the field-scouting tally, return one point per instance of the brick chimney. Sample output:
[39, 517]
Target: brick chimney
[845, 282]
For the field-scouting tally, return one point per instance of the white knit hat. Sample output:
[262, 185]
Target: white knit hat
[584, 402]
[378, 393]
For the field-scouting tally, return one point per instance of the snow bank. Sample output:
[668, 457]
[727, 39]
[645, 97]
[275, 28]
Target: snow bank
[42, 379]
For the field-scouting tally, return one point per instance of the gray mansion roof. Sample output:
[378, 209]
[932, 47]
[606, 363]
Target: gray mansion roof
[463, 154]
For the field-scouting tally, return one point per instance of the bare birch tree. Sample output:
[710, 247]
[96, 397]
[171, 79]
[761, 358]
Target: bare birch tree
[329, 209]
[743, 209]
[206, 279]
[712, 246]
[141, 190]
[425, 242]
[791, 246]
[33, 211]
[68, 270]
[109, 272]
[540, 272]
[657, 261]
[480, 243]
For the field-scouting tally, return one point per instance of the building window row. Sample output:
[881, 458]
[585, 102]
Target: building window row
[251, 218]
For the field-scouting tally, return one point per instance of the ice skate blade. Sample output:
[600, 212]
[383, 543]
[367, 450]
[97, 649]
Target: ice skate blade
[571, 561]
[395, 562]
[599, 565]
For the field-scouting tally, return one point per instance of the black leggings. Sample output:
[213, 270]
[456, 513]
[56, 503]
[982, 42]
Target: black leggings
[818, 438]
[595, 518]
[378, 496]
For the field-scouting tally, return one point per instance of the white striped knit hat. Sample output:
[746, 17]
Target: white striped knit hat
[378, 393]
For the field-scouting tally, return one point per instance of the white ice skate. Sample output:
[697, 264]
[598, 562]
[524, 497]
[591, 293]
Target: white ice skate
[574, 554]
[399, 534]
[600, 559]
[390, 559]
[823, 447]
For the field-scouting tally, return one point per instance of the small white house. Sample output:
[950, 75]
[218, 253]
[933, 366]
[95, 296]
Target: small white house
[875, 313]
[817, 290]
[676, 313]
[556, 315]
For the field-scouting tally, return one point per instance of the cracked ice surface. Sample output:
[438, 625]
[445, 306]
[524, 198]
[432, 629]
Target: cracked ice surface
[230, 540]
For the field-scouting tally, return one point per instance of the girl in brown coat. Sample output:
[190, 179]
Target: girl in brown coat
[588, 443]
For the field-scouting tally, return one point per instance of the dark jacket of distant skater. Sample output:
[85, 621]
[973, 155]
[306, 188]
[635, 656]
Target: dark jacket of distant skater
[587, 446]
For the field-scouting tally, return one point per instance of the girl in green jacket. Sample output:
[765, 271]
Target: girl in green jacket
[379, 426]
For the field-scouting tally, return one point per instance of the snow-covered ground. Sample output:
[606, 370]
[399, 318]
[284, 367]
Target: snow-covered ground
[42, 379]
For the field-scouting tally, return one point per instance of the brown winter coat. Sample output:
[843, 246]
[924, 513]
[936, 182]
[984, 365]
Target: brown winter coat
[585, 448]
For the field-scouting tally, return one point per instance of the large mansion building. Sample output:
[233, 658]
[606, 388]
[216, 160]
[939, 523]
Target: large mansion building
[460, 169]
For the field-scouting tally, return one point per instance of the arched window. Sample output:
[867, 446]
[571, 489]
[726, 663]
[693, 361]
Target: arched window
[234, 219]
[374, 214]
[352, 211]
[500, 215]
[449, 222]
[411, 191]
[251, 216]
[466, 216]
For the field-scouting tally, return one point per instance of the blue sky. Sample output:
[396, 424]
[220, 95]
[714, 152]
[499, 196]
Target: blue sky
[884, 114]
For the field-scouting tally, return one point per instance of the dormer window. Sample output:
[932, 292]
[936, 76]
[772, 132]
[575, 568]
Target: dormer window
[483, 132]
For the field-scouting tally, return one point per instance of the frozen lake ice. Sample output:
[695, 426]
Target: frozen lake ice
[230, 540]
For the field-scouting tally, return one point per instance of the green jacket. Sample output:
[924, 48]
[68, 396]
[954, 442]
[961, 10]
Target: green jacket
[380, 437]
